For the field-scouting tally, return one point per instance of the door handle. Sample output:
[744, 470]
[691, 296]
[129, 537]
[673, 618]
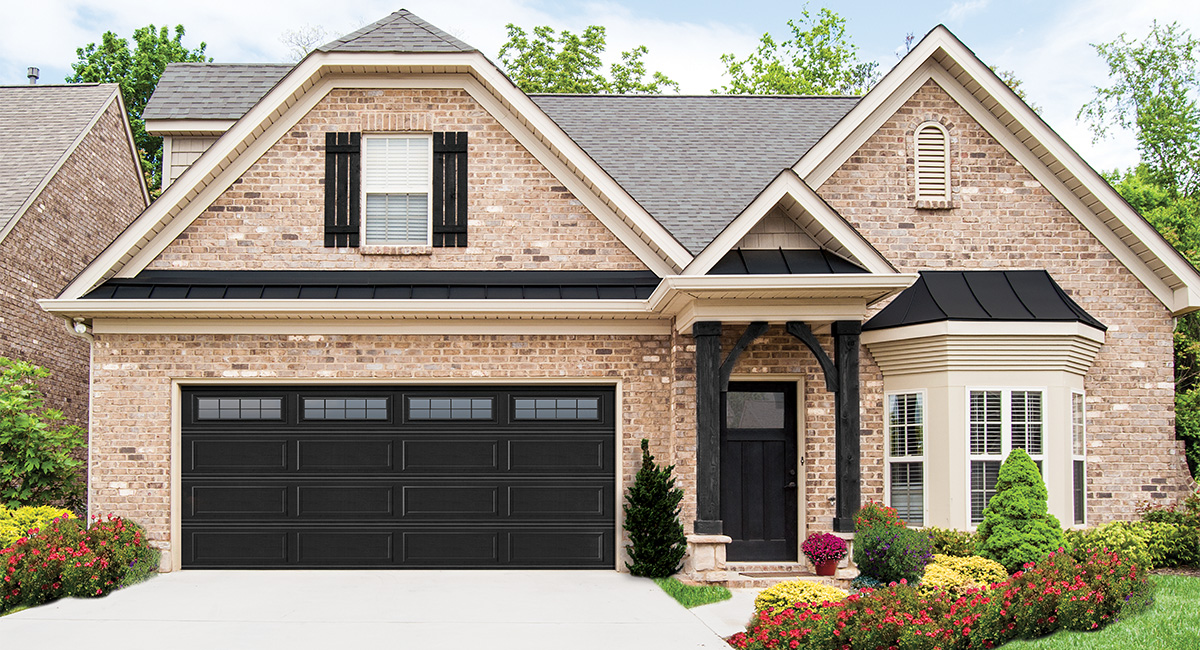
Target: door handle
[790, 486]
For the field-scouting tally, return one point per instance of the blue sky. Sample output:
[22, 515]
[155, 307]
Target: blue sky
[1045, 43]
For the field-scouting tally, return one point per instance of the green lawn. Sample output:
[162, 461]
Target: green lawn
[1171, 623]
[692, 596]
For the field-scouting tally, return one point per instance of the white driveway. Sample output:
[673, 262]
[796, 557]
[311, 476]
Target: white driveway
[369, 609]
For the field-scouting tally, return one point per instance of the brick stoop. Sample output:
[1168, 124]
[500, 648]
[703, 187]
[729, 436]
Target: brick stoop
[755, 575]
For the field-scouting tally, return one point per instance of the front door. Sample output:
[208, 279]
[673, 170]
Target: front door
[758, 471]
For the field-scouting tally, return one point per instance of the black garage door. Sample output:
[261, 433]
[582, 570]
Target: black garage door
[437, 477]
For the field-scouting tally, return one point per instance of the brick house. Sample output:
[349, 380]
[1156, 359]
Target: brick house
[391, 311]
[70, 181]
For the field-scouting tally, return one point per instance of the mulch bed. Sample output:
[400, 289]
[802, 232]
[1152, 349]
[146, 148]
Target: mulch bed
[1190, 571]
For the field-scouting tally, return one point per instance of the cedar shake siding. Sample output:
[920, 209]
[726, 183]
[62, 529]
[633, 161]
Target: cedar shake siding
[94, 195]
[519, 216]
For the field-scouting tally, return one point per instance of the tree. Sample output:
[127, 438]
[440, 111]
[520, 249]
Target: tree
[137, 71]
[569, 63]
[1017, 526]
[1010, 79]
[36, 465]
[1153, 94]
[818, 59]
[657, 542]
[302, 40]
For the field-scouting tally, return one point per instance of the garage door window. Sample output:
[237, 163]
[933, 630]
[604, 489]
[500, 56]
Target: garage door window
[349, 408]
[450, 408]
[239, 408]
[560, 408]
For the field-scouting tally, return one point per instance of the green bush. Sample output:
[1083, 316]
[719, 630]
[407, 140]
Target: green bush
[873, 513]
[657, 542]
[1186, 513]
[1017, 527]
[66, 560]
[14, 524]
[791, 592]
[1148, 544]
[892, 554]
[955, 543]
[36, 465]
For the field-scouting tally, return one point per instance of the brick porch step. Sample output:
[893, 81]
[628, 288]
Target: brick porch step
[755, 575]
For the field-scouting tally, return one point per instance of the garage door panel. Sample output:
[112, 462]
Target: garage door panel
[235, 456]
[440, 455]
[477, 488]
[348, 455]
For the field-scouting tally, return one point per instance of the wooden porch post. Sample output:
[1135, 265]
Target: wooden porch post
[845, 343]
[708, 427]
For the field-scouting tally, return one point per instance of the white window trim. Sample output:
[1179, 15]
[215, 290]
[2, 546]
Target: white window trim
[923, 458]
[1078, 457]
[362, 203]
[1005, 434]
[917, 194]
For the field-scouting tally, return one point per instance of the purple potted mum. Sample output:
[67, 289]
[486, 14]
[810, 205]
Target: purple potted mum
[824, 551]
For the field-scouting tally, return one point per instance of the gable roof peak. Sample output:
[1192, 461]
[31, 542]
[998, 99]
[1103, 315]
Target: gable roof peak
[401, 31]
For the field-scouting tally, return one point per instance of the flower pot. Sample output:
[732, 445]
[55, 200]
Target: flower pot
[826, 568]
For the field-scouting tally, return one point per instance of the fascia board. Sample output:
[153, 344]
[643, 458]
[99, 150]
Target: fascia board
[315, 309]
[983, 328]
[787, 183]
[391, 326]
[698, 285]
[188, 127]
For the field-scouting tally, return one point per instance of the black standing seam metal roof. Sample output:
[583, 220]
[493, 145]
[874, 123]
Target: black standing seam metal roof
[782, 261]
[380, 285]
[981, 296]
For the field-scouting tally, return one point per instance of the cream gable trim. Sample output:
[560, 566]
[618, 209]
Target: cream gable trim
[944, 59]
[62, 160]
[835, 233]
[309, 82]
[188, 127]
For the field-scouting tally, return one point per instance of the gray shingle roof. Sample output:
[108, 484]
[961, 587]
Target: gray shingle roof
[211, 91]
[694, 162]
[400, 32]
[38, 124]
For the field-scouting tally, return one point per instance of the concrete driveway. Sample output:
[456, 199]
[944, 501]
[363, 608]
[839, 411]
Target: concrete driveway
[370, 609]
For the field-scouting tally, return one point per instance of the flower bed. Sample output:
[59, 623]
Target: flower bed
[1058, 593]
[64, 559]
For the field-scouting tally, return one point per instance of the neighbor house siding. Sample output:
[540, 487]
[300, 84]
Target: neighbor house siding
[94, 195]
[519, 215]
[1002, 218]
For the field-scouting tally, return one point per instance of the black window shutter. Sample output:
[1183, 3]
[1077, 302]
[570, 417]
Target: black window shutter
[342, 189]
[449, 189]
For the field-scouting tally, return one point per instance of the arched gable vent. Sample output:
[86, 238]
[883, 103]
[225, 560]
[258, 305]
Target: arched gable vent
[933, 162]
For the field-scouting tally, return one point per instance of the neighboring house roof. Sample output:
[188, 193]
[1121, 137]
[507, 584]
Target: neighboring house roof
[40, 125]
[694, 162]
[211, 91]
[380, 285]
[981, 296]
[398, 32]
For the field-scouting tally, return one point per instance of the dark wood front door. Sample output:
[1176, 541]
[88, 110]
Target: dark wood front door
[758, 471]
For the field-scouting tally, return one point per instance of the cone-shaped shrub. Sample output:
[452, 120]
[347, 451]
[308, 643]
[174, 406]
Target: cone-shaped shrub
[652, 520]
[1016, 526]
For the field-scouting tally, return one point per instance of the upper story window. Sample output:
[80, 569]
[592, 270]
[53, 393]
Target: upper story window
[932, 162]
[397, 182]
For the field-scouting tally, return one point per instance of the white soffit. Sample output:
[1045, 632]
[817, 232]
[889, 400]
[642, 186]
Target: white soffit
[940, 56]
[293, 97]
[821, 222]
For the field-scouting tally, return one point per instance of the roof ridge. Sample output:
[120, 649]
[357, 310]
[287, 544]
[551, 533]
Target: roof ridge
[397, 16]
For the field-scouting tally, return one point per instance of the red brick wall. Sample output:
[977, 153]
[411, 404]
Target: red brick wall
[519, 215]
[94, 195]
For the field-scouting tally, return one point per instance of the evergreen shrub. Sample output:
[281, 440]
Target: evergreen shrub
[16, 523]
[946, 541]
[657, 542]
[1017, 527]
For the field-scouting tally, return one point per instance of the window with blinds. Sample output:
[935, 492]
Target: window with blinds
[932, 162]
[396, 179]
[1078, 458]
[999, 422]
[906, 456]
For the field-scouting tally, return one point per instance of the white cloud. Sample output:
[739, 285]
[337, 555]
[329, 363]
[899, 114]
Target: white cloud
[960, 10]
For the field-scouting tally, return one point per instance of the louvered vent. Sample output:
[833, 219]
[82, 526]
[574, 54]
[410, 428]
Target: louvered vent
[933, 163]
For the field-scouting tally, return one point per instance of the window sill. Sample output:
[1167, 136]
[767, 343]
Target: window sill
[934, 205]
[380, 249]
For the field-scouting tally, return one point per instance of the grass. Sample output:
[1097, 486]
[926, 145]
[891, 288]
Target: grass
[693, 596]
[1171, 623]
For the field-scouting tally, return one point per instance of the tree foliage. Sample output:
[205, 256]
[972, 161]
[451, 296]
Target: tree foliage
[1017, 526]
[657, 542]
[36, 465]
[563, 62]
[1153, 94]
[137, 71]
[818, 59]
